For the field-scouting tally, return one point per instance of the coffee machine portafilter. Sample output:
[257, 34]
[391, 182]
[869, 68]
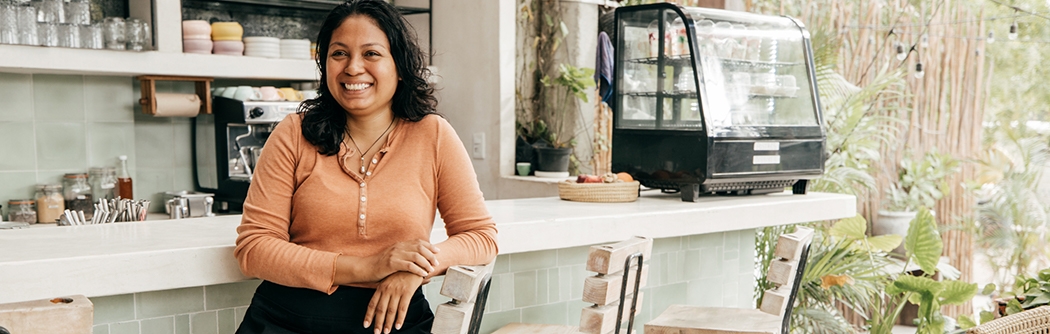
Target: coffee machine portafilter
[229, 142]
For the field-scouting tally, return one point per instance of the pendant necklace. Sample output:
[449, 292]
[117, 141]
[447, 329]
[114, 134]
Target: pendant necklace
[364, 167]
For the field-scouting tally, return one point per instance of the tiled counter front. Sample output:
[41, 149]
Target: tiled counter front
[535, 287]
[180, 276]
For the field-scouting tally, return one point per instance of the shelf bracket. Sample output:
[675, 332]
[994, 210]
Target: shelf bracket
[149, 91]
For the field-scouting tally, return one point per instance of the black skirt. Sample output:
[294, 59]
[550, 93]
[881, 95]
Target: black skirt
[277, 309]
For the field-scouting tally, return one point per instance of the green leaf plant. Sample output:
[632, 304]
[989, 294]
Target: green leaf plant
[923, 246]
[846, 267]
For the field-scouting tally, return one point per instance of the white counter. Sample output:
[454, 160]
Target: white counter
[124, 258]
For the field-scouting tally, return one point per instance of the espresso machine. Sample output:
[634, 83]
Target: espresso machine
[228, 143]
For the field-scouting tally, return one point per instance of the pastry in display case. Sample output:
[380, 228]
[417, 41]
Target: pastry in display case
[711, 101]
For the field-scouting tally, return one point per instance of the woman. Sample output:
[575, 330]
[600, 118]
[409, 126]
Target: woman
[339, 213]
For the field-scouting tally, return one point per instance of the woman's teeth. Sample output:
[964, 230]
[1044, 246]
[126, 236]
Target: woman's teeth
[358, 86]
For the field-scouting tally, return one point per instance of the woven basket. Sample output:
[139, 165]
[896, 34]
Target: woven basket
[598, 192]
[1032, 321]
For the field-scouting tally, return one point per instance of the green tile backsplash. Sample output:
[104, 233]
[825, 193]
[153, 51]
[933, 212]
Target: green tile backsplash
[68, 123]
[543, 289]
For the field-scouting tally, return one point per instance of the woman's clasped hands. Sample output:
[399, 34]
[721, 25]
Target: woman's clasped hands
[402, 268]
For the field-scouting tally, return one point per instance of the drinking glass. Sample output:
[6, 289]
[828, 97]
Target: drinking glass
[114, 33]
[50, 11]
[27, 25]
[48, 33]
[68, 35]
[135, 34]
[78, 12]
[9, 24]
[91, 37]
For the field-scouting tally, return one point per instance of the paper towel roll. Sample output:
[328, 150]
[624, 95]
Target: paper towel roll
[177, 105]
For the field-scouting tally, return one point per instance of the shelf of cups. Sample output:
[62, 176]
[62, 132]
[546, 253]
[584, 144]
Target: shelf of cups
[54, 60]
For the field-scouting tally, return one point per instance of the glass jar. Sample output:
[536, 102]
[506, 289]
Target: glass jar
[21, 210]
[103, 182]
[50, 203]
[77, 193]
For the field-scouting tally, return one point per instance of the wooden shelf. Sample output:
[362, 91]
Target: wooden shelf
[37, 59]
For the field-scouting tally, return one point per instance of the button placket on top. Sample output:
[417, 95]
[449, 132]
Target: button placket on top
[363, 204]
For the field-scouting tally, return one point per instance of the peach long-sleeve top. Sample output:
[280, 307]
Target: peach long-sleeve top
[304, 209]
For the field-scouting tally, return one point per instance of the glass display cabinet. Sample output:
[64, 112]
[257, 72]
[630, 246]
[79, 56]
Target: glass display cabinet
[715, 101]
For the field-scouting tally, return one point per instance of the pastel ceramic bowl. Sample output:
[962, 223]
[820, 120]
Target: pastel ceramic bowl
[196, 46]
[196, 29]
[229, 47]
[226, 31]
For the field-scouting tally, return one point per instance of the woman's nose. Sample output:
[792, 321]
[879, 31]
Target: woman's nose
[354, 66]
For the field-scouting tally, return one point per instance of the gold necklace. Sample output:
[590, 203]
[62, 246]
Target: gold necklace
[363, 165]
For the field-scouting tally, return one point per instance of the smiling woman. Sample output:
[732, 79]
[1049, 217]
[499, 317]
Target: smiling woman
[339, 234]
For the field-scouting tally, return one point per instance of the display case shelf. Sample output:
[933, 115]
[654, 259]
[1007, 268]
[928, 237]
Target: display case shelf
[54, 60]
[742, 63]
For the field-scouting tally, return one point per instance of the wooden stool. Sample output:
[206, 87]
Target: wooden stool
[468, 286]
[73, 314]
[620, 273]
[773, 317]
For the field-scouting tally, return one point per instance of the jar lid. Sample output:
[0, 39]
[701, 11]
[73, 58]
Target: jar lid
[21, 202]
[76, 176]
[49, 187]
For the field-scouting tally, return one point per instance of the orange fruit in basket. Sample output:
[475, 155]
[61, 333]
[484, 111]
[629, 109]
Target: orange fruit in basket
[625, 177]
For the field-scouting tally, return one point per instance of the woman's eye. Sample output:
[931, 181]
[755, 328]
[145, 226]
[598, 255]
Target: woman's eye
[371, 54]
[338, 53]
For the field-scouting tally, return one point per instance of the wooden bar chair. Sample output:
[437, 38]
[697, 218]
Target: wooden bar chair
[621, 272]
[73, 314]
[774, 315]
[468, 286]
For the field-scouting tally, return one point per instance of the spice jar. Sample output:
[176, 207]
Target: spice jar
[49, 203]
[21, 210]
[103, 181]
[77, 193]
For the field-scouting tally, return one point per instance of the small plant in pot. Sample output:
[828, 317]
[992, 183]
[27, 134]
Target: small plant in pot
[920, 184]
[550, 128]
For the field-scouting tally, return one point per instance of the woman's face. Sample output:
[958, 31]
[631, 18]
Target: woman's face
[361, 72]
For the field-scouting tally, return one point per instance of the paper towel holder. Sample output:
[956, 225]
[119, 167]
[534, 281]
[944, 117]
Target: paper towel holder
[149, 91]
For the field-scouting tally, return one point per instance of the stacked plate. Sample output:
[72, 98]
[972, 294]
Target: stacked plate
[267, 47]
[295, 48]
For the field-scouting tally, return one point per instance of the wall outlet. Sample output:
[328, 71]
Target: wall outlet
[479, 146]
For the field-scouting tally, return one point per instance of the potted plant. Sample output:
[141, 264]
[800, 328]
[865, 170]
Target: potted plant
[548, 89]
[920, 184]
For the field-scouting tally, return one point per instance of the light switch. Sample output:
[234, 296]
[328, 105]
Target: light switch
[479, 145]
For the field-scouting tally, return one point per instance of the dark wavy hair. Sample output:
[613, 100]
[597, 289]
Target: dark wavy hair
[324, 120]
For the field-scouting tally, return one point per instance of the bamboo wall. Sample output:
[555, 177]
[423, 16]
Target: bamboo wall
[943, 110]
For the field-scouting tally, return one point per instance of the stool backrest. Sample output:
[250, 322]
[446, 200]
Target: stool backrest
[621, 271]
[786, 274]
[468, 286]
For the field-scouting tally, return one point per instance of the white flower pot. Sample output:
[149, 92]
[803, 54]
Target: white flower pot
[893, 222]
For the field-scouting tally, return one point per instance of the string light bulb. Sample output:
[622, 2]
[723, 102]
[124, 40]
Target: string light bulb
[901, 55]
[924, 41]
[991, 37]
[919, 72]
[1013, 31]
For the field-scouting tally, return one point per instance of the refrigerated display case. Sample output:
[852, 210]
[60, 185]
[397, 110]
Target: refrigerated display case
[710, 101]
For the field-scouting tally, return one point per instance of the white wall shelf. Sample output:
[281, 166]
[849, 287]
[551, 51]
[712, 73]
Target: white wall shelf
[54, 60]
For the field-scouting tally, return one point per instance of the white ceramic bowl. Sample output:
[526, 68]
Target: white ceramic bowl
[262, 39]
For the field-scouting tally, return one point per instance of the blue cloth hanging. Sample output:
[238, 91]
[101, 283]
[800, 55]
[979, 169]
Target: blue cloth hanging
[603, 69]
